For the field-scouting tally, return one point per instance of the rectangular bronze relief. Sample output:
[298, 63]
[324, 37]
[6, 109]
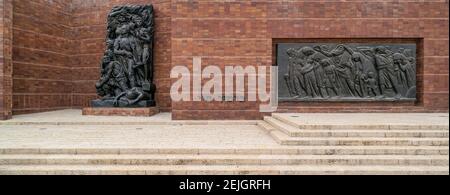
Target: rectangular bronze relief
[346, 72]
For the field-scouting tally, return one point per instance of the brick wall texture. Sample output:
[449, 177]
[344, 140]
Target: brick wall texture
[6, 42]
[57, 46]
[42, 46]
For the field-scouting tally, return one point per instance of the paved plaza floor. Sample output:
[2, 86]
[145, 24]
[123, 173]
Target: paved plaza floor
[69, 129]
[134, 136]
[75, 117]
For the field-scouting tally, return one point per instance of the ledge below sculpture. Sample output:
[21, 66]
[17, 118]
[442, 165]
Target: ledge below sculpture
[144, 112]
[122, 104]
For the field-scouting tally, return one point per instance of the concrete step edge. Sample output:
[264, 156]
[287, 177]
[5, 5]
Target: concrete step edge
[214, 170]
[284, 139]
[373, 127]
[294, 132]
[214, 156]
[371, 133]
[266, 127]
[230, 122]
[256, 151]
[283, 127]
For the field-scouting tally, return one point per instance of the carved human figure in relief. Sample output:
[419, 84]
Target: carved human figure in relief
[311, 87]
[330, 80]
[386, 72]
[124, 46]
[289, 77]
[127, 68]
[376, 72]
[320, 75]
[142, 55]
[362, 66]
[344, 69]
[371, 85]
[132, 96]
[113, 80]
[405, 71]
[294, 78]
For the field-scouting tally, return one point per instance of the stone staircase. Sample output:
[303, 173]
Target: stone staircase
[287, 133]
[379, 146]
[306, 148]
[307, 160]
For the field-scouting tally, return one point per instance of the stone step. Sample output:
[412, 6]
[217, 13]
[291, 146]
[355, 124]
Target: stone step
[282, 150]
[360, 127]
[221, 170]
[432, 160]
[137, 122]
[195, 151]
[284, 139]
[295, 132]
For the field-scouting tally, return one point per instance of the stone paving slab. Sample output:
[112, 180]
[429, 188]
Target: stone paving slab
[75, 117]
[136, 136]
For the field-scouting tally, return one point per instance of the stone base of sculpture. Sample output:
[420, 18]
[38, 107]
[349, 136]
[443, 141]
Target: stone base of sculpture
[122, 104]
[138, 112]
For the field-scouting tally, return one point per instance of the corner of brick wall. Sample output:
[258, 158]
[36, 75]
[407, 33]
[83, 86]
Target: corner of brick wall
[5, 59]
[42, 68]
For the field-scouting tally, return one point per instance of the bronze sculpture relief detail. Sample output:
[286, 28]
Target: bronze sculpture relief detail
[127, 65]
[347, 72]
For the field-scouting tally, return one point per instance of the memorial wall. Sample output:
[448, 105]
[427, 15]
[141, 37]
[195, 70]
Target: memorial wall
[42, 46]
[58, 48]
[248, 33]
[6, 42]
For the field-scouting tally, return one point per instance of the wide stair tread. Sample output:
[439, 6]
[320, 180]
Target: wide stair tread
[366, 125]
[282, 150]
[273, 124]
[431, 160]
[284, 139]
[226, 170]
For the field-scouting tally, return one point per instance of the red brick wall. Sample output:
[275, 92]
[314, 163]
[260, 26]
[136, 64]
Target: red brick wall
[89, 32]
[5, 59]
[60, 43]
[222, 33]
[41, 50]
[243, 32]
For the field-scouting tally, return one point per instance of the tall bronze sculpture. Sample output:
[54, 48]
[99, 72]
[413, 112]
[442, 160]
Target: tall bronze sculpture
[127, 65]
[336, 72]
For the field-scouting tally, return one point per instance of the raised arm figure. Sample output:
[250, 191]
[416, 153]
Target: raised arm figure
[339, 50]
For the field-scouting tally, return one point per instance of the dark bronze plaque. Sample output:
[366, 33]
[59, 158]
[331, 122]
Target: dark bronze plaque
[346, 72]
